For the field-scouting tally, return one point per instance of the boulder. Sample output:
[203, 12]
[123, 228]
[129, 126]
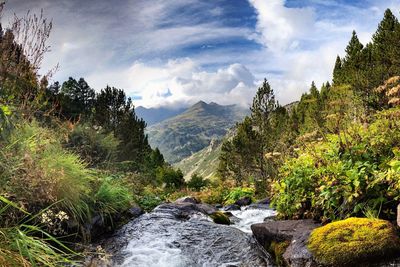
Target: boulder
[293, 233]
[135, 211]
[220, 218]
[231, 207]
[206, 208]
[264, 201]
[218, 206]
[187, 199]
[245, 201]
[354, 242]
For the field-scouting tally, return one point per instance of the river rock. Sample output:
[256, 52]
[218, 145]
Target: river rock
[206, 208]
[245, 201]
[231, 207]
[135, 211]
[294, 231]
[187, 199]
[218, 206]
[264, 201]
[163, 238]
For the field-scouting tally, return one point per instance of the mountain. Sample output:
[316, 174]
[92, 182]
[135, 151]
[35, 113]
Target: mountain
[204, 162]
[191, 131]
[154, 115]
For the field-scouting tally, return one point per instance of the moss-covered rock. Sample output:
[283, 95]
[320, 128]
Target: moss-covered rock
[353, 241]
[220, 218]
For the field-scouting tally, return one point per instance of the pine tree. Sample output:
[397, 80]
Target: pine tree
[337, 71]
[77, 99]
[262, 109]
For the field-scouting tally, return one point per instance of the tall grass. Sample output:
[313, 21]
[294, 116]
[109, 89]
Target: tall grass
[28, 245]
[43, 172]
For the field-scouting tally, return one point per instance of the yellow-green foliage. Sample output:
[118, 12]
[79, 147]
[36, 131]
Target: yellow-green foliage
[220, 218]
[277, 249]
[353, 240]
[344, 174]
[238, 193]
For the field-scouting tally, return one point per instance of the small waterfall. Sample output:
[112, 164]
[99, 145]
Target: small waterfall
[177, 235]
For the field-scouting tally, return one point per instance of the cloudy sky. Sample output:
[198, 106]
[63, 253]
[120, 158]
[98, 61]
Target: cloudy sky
[177, 52]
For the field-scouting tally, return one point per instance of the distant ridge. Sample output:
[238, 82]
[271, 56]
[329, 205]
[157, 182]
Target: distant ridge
[181, 136]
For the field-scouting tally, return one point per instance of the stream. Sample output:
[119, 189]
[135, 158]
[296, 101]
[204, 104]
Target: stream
[181, 234]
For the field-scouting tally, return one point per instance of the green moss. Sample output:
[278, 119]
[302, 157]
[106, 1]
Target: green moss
[353, 240]
[277, 249]
[220, 218]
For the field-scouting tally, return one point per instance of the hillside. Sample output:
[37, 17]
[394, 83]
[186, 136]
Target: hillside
[203, 162]
[187, 133]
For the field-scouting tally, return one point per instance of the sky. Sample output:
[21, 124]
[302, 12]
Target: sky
[174, 53]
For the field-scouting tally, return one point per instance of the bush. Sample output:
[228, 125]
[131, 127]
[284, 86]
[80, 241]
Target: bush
[170, 177]
[353, 241]
[238, 193]
[150, 198]
[345, 174]
[197, 182]
[93, 146]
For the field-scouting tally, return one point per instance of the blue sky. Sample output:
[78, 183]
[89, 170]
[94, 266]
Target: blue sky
[177, 52]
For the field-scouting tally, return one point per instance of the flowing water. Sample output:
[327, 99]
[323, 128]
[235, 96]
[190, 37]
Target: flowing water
[249, 216]
[176, 236]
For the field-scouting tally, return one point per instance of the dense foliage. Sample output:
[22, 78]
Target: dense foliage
[335, 153]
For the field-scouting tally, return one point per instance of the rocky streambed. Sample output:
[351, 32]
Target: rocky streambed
[182, 234]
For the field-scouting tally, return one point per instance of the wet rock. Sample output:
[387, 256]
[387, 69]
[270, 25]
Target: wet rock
[135, 211]
[187, 199]
[270, 218]
[220, 218]
[206, 208]
[231, 207]
[294, 231]
[218, 206]
[258, 206]
[264, 201]
[245, 201]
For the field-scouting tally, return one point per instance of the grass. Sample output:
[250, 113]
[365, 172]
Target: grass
[22, 244]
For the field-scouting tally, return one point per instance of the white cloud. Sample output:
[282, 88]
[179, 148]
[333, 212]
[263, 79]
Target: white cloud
[279, 26]
[303, 44]
[182, 82]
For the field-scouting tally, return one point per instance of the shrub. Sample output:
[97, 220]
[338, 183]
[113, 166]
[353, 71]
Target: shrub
[344, 174]
[93, 145]
[197, 182]
[238, 193]
[170, 177]
[353, 241]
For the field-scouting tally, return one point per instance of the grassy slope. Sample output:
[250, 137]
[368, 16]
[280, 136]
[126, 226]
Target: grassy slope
[183, 135]
[203, 162]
